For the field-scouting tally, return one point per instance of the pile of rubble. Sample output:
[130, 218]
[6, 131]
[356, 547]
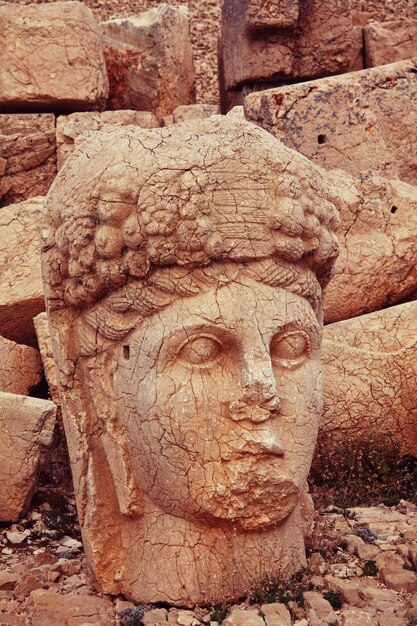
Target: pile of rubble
[361, 570]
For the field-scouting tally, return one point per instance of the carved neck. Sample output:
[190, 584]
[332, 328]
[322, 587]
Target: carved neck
[191, 563]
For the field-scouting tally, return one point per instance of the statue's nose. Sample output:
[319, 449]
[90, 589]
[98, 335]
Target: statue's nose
[259, 384]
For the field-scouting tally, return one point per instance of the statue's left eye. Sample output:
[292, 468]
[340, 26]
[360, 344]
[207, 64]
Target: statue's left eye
[200, 351]
[291, 348]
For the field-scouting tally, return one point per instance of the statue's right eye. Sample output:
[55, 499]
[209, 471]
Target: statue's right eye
[201, 350]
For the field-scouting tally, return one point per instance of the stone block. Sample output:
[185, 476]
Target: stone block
[348, 589]
[21, 293]
[71, 129]
[263, 41]
[358, 121]
[369, 373]
[194, 112]
[401, 580]
[388, 42]
[149, 60]
[49, 608]
[239, 617]
[20, 367]
[377, 262]
[51, 58]
[27, 156]
[26, 428]
[276, 614]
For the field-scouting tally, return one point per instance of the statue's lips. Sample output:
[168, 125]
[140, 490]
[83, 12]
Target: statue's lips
[255, 449]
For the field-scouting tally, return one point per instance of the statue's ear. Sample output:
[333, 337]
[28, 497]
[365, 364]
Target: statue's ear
[86, 364]
[114, 444]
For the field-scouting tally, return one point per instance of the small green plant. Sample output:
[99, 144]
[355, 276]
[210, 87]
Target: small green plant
[132, 617]
[370, 568]
[335, 599]
[276, 590]
[219, 613]
[412, 622]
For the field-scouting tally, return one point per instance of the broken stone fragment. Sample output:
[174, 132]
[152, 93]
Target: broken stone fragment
[359, 121]
[149, 60]
[369, 374]
[282, 41]
[388, 42]
[20, 367]
[51, 58]
[194, 112]
[26, 428]
[27, 156]
[21, 293]
[45, 348]
[377, 261]
[71, 129]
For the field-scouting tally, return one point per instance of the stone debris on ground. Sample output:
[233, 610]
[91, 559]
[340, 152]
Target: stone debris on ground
[44, 579]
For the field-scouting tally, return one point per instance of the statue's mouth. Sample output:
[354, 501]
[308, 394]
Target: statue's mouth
[267, 448]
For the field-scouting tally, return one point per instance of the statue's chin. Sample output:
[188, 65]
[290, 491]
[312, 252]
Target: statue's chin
[260, 505]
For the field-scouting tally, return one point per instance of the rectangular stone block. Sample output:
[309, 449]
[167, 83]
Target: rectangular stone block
[51, 58]
[388, 42]
[299, 40]
[26, 428]
[70, 129]
[20, 367]
[369, 374]
[360, 121]
[150, 61]
[21, 291]
[27, 156]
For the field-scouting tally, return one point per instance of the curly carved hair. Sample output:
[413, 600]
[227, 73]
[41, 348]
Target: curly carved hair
[132, 203]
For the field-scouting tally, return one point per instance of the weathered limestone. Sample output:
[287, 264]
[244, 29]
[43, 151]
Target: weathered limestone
[377, 262]
[26, 428]
[191, 423]
[187, 112]
[359, 121]
[387, 42]
[45, 348]
[71, 129]
[21, 294]
[51, 58]
[27, 156]
[20, 367]
[149, 60]
[370, 372]
[271, 42]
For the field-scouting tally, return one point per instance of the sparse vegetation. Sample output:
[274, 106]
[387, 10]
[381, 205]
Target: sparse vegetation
[370, 568]
[219, 613]
[353, 472]
[335, 599]
[276, 590]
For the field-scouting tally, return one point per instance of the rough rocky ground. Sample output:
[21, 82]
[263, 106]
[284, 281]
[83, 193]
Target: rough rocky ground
[361, 572]
[205, 26]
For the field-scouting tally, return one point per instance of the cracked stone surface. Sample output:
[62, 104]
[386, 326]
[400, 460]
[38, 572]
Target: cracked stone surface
[20, 367]
[71, 129]
[356, 122]
[21, 293]
[51, 58]
[377, 261]
[389, 42]
[45, 348]
[280, 42]
[150, 60]
[370, 374]
[191, 424]
[26, 428]
[27, 156]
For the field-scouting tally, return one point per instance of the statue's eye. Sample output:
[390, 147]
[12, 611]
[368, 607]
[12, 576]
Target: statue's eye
[291, 348]
[200, 351]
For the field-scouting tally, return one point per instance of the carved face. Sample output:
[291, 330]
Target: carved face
[220, 398]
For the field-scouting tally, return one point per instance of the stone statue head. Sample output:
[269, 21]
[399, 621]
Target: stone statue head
[183, 270]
